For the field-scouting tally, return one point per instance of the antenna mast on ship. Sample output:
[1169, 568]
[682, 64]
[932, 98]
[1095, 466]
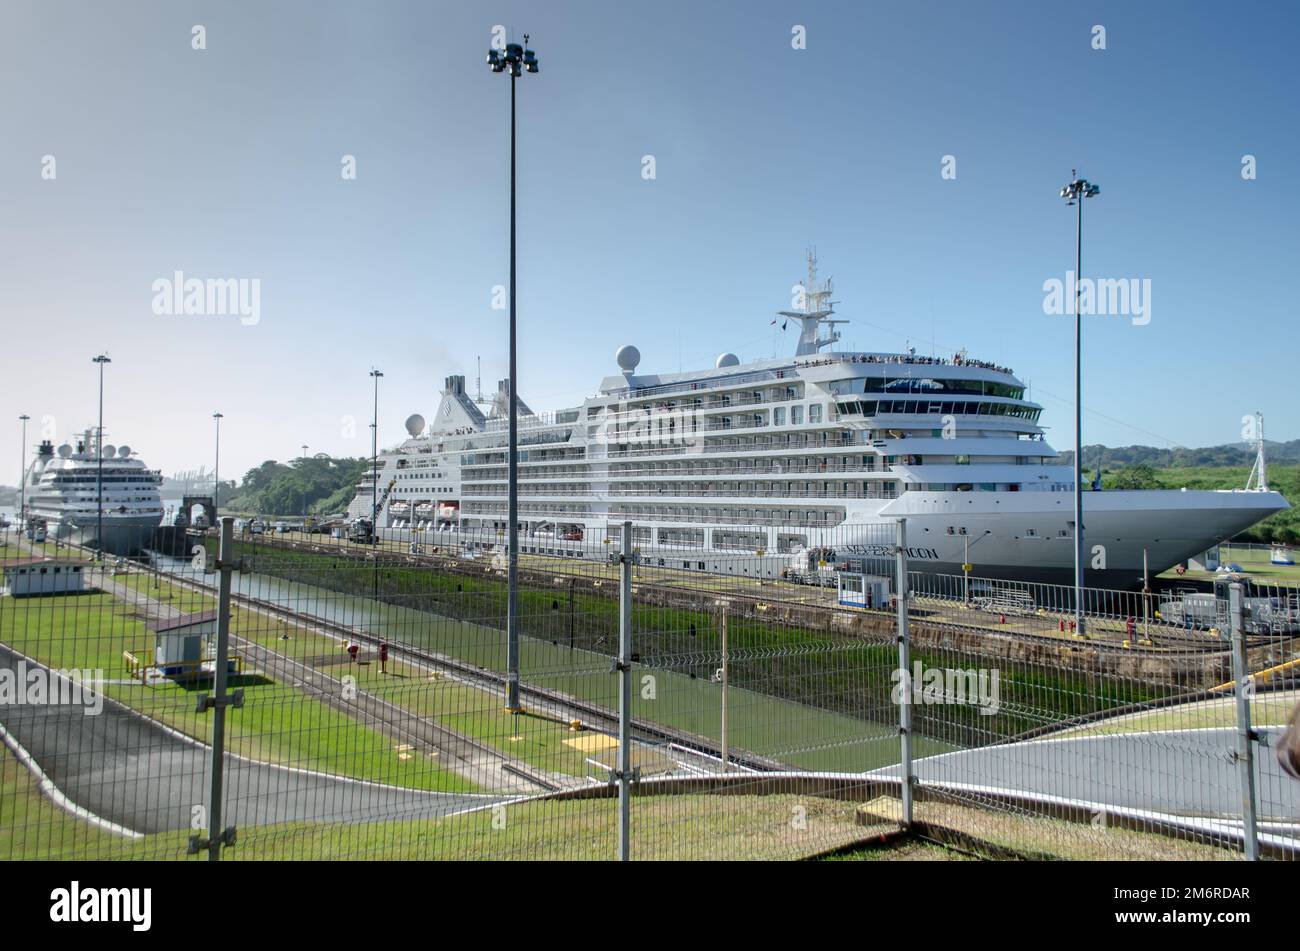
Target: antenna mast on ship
[818, 309]
[1257, 481]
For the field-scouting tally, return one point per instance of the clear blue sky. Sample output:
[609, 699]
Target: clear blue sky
[226, 163]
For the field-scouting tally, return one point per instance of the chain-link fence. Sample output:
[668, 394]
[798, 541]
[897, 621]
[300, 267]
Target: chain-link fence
[301, 696]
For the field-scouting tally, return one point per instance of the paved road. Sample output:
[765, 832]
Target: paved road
[143, 777]
[1186, 773]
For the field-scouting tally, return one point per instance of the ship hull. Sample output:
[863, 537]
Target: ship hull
[122, 536]
[1025, 537]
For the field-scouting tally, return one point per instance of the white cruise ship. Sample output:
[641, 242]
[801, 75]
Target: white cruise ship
[746, 468]
[61, 492]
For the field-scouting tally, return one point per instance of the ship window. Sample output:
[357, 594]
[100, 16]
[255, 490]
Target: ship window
[796, 415]
[778, 416]
[815, 413]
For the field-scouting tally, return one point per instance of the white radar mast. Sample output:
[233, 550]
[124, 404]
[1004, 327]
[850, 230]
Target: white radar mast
[818, 309]
[1257, 481]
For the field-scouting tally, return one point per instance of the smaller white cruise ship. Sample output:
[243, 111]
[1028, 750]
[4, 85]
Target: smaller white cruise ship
[61, 491]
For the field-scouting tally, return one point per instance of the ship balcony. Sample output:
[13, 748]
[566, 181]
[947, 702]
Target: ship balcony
[793, 466]
[559, 492]
[498, 458]
[526, 509]
[739, 494]
[823, 440]
[500, 474]
[777, 517]
[689, 387]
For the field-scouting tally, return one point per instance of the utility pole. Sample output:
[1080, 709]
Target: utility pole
[99, 455]
[516, 60]
[216, 474]
[1074, 194]
[22, 482]
[374, 462]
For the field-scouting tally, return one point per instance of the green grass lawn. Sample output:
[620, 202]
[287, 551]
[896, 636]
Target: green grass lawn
[468, 710]
[805, 736]
[793, 732]
[277, 724]
[814, 698]
[1270, 709]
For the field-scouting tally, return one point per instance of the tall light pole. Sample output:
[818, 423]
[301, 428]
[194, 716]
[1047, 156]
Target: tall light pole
[1074, 194]
[304, 488]
[516, 60]
[374, 465]
[216, 471]
[22, 482]
[99, 453]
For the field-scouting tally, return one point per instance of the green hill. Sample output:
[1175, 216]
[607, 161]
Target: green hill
[315, 486]
[1234, 454]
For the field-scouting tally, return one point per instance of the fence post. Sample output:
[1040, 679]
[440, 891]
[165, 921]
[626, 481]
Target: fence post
[1245, 736]
[726, 755]
[218, 701]
[624, 665]
[905, 668]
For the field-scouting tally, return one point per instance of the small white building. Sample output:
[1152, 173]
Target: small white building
[857, 590]
[30, 577]
[182, 644]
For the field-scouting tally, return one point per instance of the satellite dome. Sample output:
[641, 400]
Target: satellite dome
[415, 424]
[727, 360]
[628, 357]
[123, 452]
[65, 451]
[109, 451]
